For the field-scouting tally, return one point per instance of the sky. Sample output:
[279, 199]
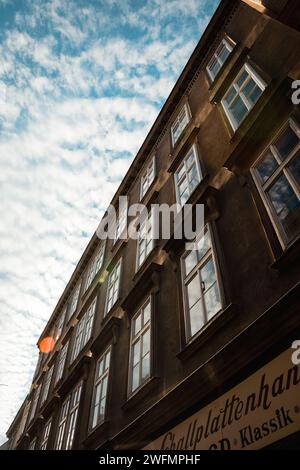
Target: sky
[81, 83]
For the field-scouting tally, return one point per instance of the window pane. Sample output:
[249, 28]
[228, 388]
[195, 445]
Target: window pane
[193, 291]
[286, 205]
[147, 312]
[137, 324]
[242, 78]
[146, 342]
[146, 367]
[212, 301]
[135, 377]
[267, 167]
[224, 53]
[196, 318]
[294, 168]
[238, 110]
[193, 177]
[136, 353]
[232, 93]
[214, 67]
[286, 142]
[208, 275]
[204, 244]
[190, 262]
[255, 94]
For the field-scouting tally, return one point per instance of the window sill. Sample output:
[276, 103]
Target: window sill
[142, 392]
[207, 331]
[289, 256]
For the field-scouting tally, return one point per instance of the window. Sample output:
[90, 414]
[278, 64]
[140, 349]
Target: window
[47, 385]
[140, 356]
[180, 123]
[84, 330]
[188, 176]
[46, 433]
[145, 240]
[74, 301]
[100, 389]
[95, 266]
[242, 95]
[121, 221]
[113, 286]
[277, 175]
[147, 178]
[68, 419]
[24, 419]
[61, 362]
[219, 58]
[200, 283]
[59, 325]
[32, 444]
[35, 402]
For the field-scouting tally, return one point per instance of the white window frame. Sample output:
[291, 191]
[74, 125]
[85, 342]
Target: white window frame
[184, 163]
[59, 324]
[186, 278]
[68, 419]
[134, 338]
[239, 92]
[84, 329]
[181, 122]
[146, 225]
[281, 169]
[46, 434]
[229, 45]
[95, 265]
[46, 385]
[121, 221]
[96, 417]
[61, 362]
[114, 276]
[74, 301]
[147, 177]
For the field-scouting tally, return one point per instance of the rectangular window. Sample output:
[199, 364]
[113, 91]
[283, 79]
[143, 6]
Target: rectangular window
[145, 242]
[147, 178]
[219, 58]
[121, 221]
[113, 287]
[32, 444]
[84, 330]
[95, 266]
[140, 348]
[34, 402]
[68, 419]
[100, 389]
[74, 301]
[180, 123]
[187, 176]
[242, 95]
[46, 385]
[46, 434]
[61, 362]
[24, 419]
[59, 325]
[277, 175]
[200, 283]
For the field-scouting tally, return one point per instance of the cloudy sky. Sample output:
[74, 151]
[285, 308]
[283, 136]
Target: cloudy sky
[81, 82]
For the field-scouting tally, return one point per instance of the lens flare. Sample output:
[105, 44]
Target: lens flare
[46, 345]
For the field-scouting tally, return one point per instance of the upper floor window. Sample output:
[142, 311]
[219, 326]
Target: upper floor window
[180, 123]
[68, 419]
[84, 330]
[219, 58]
[46, 386]
[121, 221]
[277, 175]
[74, 301]
[145, 242]
[242, 95]
[113, 286]
[35, 402]
[140, 347]
[100, 389]
[95, 265]
[200, 282]
[147, 178]
[59, 325]
[188, 176]
[46, 433]
[61, 362]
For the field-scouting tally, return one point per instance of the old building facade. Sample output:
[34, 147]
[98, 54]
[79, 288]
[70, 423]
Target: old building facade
[154, 344]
